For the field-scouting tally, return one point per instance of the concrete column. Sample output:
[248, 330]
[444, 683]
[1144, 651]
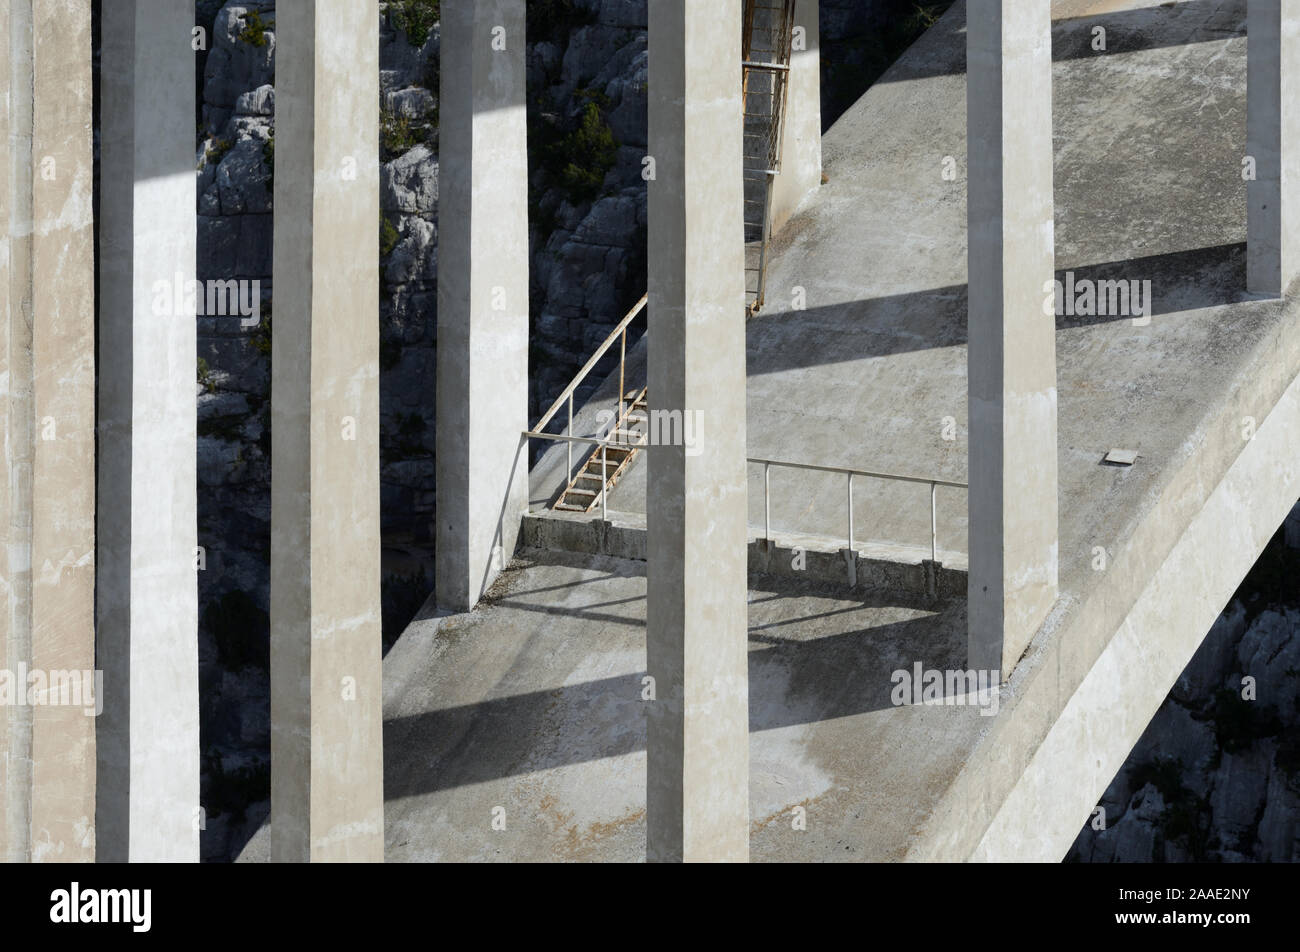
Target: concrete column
[1012, 344]
[1273, 142]
[697, 789]
[482, 380]
[326, 721]
[47, 392]
[146, 589]
[801, 148]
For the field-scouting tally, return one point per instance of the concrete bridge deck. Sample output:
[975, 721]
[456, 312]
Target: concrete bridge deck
[532, 701]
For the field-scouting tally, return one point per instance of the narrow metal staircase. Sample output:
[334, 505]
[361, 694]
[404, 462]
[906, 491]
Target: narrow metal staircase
[606, 465]
[767, 41]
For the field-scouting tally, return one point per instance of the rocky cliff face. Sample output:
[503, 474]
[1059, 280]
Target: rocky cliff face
[1216, 775]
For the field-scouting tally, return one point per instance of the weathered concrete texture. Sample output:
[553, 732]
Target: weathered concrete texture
[47, 478]
[872, 568]
[533, 703]
[1273, 144]
[1093, 733]
[326, 738]
[1166, 157]
[146, 588]
[801, 146]
[482, 379]
[698, 753]
[1011, 351]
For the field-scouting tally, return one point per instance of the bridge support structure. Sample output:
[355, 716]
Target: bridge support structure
[327, 764]
[482, 398]
[697, 796]
[1272, 145]
[1011, 351]
[47, 384]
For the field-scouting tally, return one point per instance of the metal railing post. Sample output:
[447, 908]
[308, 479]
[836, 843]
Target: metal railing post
[934, 525]
[569, 443]
[604, 483]
[850, 510]
[767, 505]
[622, 360]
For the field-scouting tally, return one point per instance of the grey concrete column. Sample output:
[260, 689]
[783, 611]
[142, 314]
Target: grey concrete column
[1273, 143]
[482, 379]
[146, 589]
[1012, 344]
[697, 789]
[47, 386]
[326, 719]
[801, 148]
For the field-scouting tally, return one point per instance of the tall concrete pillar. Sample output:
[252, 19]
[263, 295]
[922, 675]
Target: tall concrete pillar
[1012, 344]
[482, 380]
[801, 147]
[47, 476]
[326, 720]
[697, 789]
[146, 589]
[1273, 143]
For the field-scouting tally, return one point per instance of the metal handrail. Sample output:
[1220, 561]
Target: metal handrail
[620, 330]
[767, 465]
[859, 472]
[934, 484]
[604, 457]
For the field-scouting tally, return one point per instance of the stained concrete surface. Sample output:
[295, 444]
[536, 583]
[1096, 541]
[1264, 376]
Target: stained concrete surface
[536, 707]
[872, 374]
[529, 702]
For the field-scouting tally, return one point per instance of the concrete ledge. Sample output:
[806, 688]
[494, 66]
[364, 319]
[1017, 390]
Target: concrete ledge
[1089, 741]
[862, 569]
[1083, 647]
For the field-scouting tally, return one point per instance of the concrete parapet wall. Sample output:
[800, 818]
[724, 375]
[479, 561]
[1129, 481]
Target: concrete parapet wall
[623, 537]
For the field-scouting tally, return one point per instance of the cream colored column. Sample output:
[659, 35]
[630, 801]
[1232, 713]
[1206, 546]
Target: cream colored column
[1012, 343]
[1273, 144]
[326, 720]
[146, 590]
[482, 378]
[47, 476]
[697, 789]
[801, 146]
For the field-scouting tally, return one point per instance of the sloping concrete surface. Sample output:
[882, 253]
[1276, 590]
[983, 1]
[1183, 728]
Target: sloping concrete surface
[533, 703]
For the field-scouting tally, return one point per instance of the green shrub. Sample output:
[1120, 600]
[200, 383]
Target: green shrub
[415, 18]
[592, 153]
[260, 338]
[388, 237]
[397, 134]
[217, 151]
[254, 32]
